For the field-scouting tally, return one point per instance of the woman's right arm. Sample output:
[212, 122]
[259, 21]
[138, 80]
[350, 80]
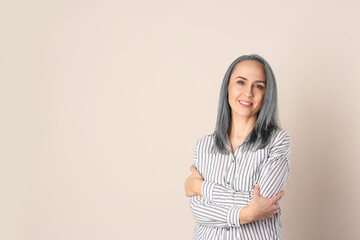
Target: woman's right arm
[208, 213]
[211, 214]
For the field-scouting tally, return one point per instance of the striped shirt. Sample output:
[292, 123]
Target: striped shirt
[228, 185]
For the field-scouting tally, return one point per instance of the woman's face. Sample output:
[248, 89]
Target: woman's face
[246, 89]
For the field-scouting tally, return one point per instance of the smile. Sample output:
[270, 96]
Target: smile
[245, 104]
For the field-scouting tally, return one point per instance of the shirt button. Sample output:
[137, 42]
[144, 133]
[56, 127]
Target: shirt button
[228, 182]
[233, 161]
[228, 228]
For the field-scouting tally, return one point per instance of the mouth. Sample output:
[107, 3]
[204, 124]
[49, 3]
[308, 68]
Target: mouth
[245, 103]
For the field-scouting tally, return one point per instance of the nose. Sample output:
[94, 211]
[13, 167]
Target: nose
[248, 91]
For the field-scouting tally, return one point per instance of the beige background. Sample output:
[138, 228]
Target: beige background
[102, 103]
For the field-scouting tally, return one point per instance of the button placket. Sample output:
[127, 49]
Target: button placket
[228, 233]
[231, 167]
[229, 172]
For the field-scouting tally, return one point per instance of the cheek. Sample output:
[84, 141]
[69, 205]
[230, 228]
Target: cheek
[232, 96]
[260, 99]
[231, 93]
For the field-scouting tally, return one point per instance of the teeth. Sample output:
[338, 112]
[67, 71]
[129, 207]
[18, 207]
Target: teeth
[245, 103]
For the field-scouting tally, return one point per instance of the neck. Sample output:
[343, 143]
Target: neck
[241, 127]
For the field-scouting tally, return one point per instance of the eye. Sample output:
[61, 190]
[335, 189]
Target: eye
[241, 82]
[259, 86]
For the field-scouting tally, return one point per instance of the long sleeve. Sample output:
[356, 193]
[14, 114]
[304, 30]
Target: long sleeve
[273, 176]
[208, 213]
[276, 169]
[211, 214]
[223, 195]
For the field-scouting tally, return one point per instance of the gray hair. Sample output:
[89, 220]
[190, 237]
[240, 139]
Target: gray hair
[267, 120]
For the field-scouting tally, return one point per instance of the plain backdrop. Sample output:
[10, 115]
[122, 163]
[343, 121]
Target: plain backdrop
[102, 103]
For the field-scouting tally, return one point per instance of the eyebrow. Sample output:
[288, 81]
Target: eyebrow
[247, 79]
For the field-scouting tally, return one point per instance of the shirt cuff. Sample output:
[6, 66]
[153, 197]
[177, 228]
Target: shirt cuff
[233, 217]
[207, 189]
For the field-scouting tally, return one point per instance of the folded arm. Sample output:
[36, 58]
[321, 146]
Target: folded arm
[272, 180]
[207, 212]
[217, 205]
[211, 214]
[223, 195]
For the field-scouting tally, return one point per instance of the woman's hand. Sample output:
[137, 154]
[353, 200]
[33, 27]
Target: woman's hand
[260, 207]
[193, 183]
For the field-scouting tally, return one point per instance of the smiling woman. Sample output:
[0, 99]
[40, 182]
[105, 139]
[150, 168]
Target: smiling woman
[246, 90]
[247, 151]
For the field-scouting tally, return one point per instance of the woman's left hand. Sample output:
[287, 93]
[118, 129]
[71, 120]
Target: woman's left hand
[193, 183]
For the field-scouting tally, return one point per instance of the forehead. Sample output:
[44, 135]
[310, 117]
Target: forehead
[249, 69]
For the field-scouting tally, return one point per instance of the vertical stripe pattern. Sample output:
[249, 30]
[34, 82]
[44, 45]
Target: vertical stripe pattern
[228, 186]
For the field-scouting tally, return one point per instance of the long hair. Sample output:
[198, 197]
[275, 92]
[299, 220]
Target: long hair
[267, 120]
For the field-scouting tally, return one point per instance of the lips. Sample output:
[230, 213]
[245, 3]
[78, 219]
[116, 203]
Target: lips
[245, 103]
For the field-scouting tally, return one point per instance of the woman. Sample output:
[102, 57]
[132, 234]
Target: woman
[240, 170]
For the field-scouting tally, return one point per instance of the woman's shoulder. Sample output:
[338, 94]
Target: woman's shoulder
[205, 143]
[279, 132]
[279, 136]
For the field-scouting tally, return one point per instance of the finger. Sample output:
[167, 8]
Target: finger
[277, 206]
[256, 190]
[192, 168]
[277, 197]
